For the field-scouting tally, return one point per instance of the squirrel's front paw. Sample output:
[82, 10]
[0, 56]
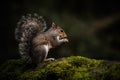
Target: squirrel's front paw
[49, 59]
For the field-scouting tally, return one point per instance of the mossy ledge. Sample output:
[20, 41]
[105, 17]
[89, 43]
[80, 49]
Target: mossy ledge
[70, 68]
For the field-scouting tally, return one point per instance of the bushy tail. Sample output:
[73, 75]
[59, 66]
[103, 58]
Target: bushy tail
[27, 28]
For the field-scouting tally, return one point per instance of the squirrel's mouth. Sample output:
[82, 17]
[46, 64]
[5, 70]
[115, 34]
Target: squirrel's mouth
[62, 39]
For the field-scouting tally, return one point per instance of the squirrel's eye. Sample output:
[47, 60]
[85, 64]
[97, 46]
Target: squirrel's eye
[61, 30]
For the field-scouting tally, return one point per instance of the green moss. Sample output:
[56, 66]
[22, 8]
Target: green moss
[71, 68]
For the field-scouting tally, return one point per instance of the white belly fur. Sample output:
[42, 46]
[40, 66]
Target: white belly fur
[47, 49]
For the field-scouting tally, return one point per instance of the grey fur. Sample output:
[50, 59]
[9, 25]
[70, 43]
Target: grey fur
[35, 40]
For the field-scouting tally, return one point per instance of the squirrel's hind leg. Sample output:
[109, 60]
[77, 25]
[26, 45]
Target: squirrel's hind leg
[47, 50]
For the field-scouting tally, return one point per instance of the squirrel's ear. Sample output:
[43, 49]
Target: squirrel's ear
[54, 25]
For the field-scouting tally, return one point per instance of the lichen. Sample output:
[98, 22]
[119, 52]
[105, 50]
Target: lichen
[70, 68]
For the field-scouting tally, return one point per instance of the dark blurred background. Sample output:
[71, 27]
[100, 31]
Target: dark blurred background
[93, 26]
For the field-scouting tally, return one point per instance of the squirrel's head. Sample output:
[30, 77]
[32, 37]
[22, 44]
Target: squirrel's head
[60, 35]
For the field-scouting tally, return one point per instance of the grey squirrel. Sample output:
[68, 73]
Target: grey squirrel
[35, 40]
